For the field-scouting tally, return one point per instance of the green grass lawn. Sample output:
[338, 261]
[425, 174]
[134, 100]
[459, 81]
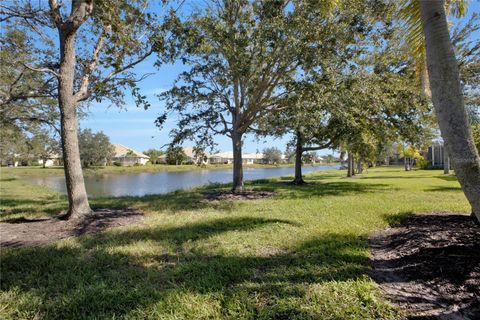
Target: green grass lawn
[299, 255]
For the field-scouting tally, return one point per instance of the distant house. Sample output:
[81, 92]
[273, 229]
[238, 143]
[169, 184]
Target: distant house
[128, 157]
[53, 160]
[435, 155]
[221, 158]
[252, 158]
[227, 158]
[194, 158]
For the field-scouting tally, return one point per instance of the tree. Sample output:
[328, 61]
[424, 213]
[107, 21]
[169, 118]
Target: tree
[289, 154]
[241, 54]
[175, 155]
[13, 144]
[153, 154]
[114, 35]
[428, 25]
[329, 159]
[272, 155]
[410, 155]
[27, 99]
[95, 148]
[307, 110]
[44, 146]
[476, 135]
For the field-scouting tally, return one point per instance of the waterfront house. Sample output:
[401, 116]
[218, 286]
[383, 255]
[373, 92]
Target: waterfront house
[128, 157]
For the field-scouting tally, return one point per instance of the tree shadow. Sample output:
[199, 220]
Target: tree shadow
[319, 189]
[448, 177]
[395, 219]
[93, 279]
[385, 177]
[179, 235]
[13, 208]
[443, 189]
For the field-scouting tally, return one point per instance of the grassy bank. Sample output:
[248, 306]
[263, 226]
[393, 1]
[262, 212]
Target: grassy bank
[299, 255]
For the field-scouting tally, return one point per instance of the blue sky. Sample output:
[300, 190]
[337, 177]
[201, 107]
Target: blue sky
[135, 128]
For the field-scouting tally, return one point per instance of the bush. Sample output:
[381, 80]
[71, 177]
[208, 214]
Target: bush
[423, 163]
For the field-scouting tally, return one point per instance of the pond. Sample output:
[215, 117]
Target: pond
[117, 185]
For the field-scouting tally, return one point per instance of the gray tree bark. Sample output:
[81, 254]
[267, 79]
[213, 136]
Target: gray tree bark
[448, 101]
[446, 161]
[298, 160]
[238, 185]
[350, 163]
[359, 167]
[78, 205]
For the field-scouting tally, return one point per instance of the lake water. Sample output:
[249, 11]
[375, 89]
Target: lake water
[141, 184]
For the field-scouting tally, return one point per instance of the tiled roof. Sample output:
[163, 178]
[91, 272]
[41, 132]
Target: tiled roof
[121, 152]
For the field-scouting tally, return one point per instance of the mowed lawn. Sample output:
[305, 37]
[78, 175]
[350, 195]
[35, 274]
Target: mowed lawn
[300, 255]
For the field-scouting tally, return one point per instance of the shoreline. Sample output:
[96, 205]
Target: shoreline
[92, 171]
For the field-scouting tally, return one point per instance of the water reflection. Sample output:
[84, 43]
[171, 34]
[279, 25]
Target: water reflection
[162, 182]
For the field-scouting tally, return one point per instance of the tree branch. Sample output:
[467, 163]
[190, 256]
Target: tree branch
[83, 93]
[46, 70]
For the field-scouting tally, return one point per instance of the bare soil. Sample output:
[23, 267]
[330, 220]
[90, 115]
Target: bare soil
[429, 266]
[34, 232]
[248, 194]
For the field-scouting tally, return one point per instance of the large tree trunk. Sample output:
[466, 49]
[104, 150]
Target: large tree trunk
[342, 155]
[78, 205]
[350, 165]
[359, 166]
[237, 163]
[298, 160]
[446, 161]
[448, 101]
[408, 163]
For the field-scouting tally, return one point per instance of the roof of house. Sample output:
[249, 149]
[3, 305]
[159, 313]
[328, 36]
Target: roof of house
[229, 155]
[191, 153]
[121, 152]
[226, 155]
[256, 156]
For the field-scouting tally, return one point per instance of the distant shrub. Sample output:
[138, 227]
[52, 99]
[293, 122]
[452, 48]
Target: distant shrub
[423, 163]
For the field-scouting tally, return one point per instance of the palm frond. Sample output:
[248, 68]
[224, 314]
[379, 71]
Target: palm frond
[412, 23]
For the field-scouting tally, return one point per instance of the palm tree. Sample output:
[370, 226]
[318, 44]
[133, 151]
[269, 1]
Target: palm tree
[428, 29]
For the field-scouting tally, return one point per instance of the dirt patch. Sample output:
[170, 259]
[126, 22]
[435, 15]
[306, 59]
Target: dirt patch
[33, 232]
[429, 266]
[249, 194]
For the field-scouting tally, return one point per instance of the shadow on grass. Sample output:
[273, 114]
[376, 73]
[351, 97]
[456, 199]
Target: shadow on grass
[7, 179]
[319, 189]
[443, 188]
[385, 177]
[448, 177]
[21, 207]
[179, 235]
[395, 219]
[93, 280]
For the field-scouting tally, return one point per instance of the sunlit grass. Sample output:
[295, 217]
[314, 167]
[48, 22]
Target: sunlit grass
[299, 255]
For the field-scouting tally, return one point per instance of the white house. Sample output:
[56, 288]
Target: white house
[194, 158]
[53, 160]
[251, 158]
[128, 157]
[227, 158]
[221, 157]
